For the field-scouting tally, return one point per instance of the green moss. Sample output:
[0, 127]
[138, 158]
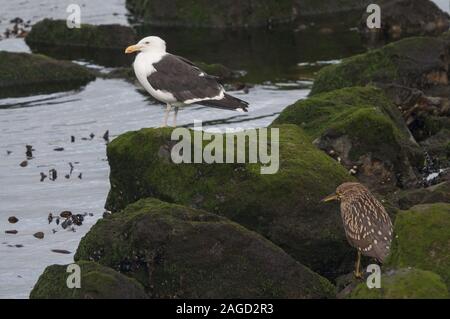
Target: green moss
[404, 284]
[204, 13]
[176, 251]
[285, 207]
[422, 239]
[56, 33]
[406, 62]
[27, 74]
[405, 199]
[366, 117]
[97, 282]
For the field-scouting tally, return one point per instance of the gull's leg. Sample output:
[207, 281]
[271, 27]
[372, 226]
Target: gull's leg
[166, 115]
[175, 116]
[358, 273]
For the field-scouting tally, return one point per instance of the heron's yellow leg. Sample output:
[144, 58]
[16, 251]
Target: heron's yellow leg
[358, 273]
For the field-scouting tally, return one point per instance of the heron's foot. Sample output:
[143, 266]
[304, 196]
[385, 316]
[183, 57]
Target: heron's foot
[358, 274]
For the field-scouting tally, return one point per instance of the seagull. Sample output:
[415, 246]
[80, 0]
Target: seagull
[176, 81]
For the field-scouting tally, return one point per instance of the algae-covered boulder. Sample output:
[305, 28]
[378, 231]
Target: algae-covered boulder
[285, 207]
[405, 199]
[180, 252]
[408, 283]
[361, 128]
[423, 239]
[27, 74]
[97, 282]
[401, 18]
[56, 33]
[418, 62]
[100, 44]
[205, 13]
[252, 13]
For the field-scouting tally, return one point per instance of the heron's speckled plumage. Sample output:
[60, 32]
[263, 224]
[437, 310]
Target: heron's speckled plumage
[367, 225]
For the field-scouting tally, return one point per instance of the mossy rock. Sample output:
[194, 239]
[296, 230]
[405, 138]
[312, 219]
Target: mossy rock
[404, 284]
[180, 252]
[423, 239]
[405, 199]
[417, 62]
[402, 18]
[362, 127]
[24, 74]
[97, 282]
[285, 207]
[216, 14]
[56, 33]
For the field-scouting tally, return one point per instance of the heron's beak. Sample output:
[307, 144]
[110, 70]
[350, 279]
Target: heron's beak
[132, 48]
[331, 197]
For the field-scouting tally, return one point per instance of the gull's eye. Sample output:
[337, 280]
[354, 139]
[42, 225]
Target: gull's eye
[147, 42]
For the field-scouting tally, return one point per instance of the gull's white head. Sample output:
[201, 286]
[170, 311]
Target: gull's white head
[148, 44]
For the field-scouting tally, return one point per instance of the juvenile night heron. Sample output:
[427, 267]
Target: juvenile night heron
[367, 225]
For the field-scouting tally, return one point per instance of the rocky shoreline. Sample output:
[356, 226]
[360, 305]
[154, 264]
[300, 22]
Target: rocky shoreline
[341, 133]
[225, 230]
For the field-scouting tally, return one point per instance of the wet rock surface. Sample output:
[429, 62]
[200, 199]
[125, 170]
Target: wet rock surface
[413, 73]
[56, 33]
[180, 252]
[23, 74]
[402, 18]
[364, 131]
[422, 238]
[284, 207]
[406, 283]
[97, 282]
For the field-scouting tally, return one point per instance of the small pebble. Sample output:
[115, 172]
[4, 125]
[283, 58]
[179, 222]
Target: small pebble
[106, 136]
[61, 251]
[19, 246]
[65, 214]
[72, 139]
[11, 232]
[13, 219]
[39, 235]
[59, 149]
[24, 164]
[29, 151]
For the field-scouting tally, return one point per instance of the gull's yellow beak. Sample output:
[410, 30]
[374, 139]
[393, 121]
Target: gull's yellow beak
[331, 197]
[132, 48]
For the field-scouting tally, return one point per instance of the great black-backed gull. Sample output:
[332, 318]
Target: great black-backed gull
[176, 81]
